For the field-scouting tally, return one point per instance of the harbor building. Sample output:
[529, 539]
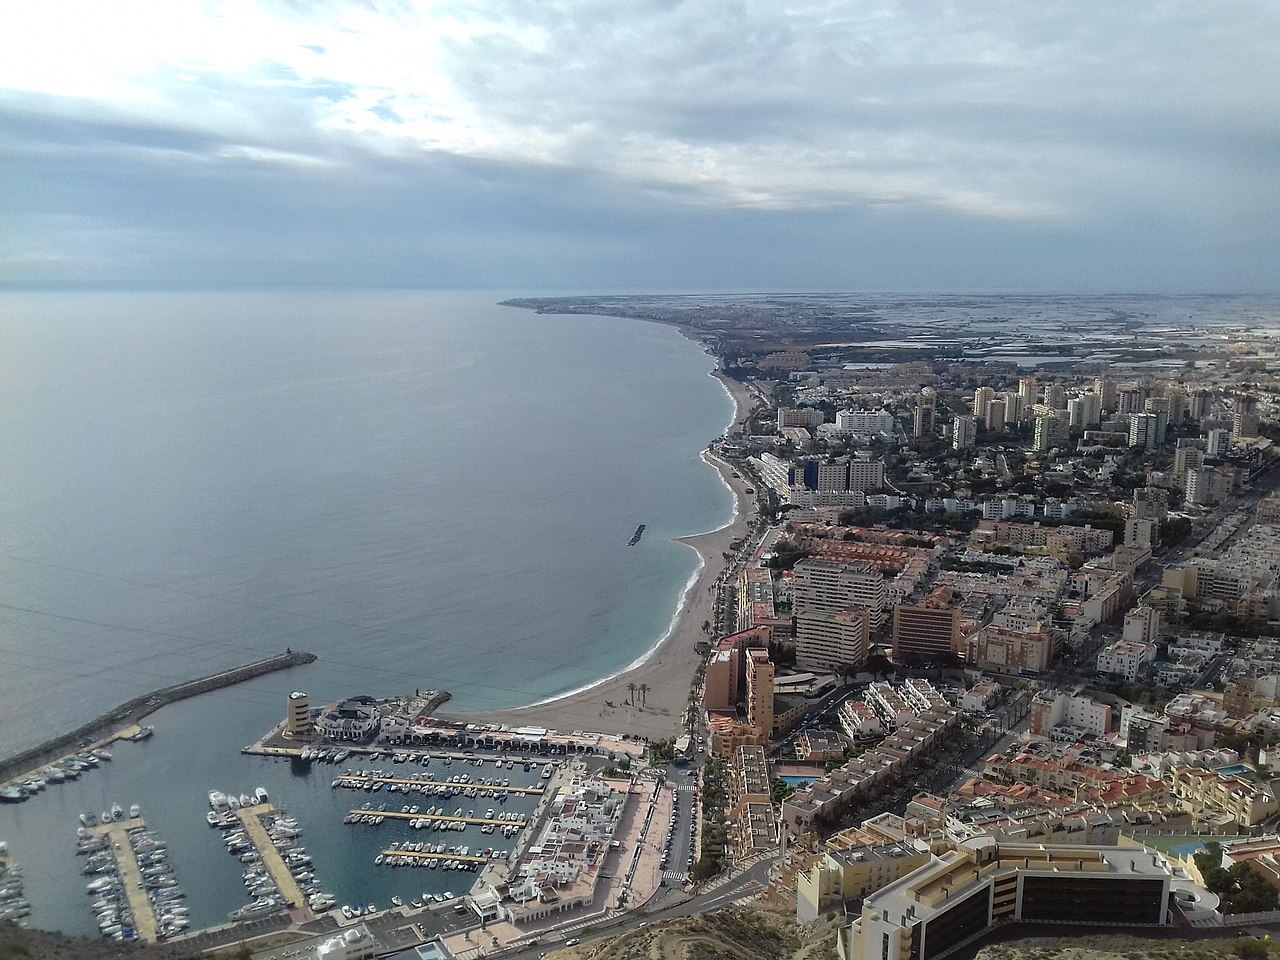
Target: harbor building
[980, 883]
[354, 944]
[298, 724]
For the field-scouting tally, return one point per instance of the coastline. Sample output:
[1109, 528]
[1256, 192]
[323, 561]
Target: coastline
[669, 666]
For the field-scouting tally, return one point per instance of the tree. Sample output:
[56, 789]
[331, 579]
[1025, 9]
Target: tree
[644, 690]
[631, 692]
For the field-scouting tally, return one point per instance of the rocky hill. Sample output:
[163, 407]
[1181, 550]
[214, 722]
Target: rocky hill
[17, 943]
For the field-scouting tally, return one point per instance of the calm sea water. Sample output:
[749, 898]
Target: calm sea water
[426, 490]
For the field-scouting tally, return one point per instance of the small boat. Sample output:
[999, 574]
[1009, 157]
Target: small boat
[88, 820]
[134, 812]
[143, 734]
[260, 795]
[102, 754]
[370, 910]
[117, 812]
[106, 817]
[397, 902]
[246, 800]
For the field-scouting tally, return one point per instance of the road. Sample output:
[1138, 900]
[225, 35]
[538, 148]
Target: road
[753, 881]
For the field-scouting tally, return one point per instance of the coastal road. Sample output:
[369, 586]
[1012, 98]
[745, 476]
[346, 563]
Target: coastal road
[752, 882]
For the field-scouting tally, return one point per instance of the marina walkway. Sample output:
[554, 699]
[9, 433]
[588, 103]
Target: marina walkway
[446, 818]
[356, 782]
[144, 920]
[251, 817]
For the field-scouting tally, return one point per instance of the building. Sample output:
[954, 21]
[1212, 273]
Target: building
[927, 632]
[808, 417]
[832, 642]
[821, 586]
[1049, 431]
[759, 690]
[1222, 798]
[1028, 392]
[859, 721]
[964, 432]
[354, 719]
[1146, 430]
[926, 415]
[297, 723]
[1244, 418]
[1125, 658]
[1141, 731]
[1217, 443]
[1141, 625]
[1013, 650]
[845, 875]
[980, 883]
[1128, 400]
[864, 421]
[996, 416]
[354, 944]
[1050, 710]
[982, 398]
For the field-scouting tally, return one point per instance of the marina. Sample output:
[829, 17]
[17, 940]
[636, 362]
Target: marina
[427, 821]
[63, 769]
[279, 873]
[461, 785]
[136, 895]
[424, 858]
[14, 906]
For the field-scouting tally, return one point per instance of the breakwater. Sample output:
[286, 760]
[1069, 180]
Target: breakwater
[132, 711]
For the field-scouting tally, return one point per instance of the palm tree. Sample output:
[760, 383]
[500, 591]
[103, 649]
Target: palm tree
[631, 692]
[644, 690]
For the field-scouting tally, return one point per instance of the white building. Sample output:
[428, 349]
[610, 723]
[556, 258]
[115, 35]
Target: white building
[354, 944]
[1126, 658]
[864, 421]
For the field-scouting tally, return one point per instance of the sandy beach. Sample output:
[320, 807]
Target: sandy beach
[669, 671]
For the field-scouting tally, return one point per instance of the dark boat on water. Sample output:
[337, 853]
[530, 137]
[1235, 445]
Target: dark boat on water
[635, 537]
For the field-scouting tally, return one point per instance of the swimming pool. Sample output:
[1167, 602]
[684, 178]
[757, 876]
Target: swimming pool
[798, 782]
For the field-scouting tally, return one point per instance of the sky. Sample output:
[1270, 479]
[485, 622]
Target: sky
[644, 144]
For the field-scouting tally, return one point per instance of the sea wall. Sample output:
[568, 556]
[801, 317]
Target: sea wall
[132, 711]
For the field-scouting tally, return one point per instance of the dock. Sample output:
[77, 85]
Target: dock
[251, 818]
[356, 782]
[415, 855]
[144, 920]
[447, 818]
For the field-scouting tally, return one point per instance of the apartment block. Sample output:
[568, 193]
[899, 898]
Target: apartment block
[981, 883]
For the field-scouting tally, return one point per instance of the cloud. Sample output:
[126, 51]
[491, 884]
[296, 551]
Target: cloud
[1061, 121]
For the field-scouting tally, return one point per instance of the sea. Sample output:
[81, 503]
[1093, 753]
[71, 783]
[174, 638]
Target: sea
[427, 490]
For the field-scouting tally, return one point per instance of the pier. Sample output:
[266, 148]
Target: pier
[104, 730]
[446, 818]
[250, 817]
[358, 781]
[144, 919]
